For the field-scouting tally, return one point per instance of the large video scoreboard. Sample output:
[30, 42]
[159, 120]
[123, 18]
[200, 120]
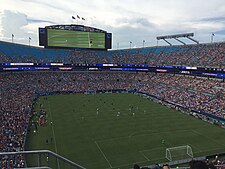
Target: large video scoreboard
[74, 36]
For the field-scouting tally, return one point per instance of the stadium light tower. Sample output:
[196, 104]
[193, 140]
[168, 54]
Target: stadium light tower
[130, 44]
[143, 43]
[118, 45]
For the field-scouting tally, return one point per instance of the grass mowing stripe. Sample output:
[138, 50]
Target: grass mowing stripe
[132, 135]
[208, 138]
[199, 150]
[156, 148]
[53, 132]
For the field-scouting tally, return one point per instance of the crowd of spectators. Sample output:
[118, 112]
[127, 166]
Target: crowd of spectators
[214, 163]
[17, 91]
[202, 55]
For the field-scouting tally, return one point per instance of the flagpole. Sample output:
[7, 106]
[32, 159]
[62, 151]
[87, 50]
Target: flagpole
[73, 19]
[212, 37]
[12, 38]
[78, 17]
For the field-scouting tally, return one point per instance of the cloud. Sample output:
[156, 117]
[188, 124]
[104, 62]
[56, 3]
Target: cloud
[134, 22]
[39, 20]
[20, 26]
[220, 32]
[12, 23]
[136, 34]
[57, 5]
[213, 19]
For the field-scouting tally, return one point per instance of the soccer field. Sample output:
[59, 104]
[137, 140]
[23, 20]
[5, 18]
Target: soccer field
[68, 38]
[102, 131]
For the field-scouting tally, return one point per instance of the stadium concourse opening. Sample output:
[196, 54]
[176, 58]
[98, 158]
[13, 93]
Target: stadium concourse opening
[111, 109]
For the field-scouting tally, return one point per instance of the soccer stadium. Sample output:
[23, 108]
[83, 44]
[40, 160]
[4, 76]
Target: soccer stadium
[73, 102]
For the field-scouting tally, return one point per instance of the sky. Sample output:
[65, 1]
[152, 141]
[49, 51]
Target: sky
[128, 20]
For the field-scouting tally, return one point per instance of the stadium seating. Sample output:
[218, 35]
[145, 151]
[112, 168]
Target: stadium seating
[211, 55]
[18, 91]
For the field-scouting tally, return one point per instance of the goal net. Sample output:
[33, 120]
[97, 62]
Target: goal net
[178, 153]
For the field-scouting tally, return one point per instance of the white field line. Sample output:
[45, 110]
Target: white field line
[144, 155]
[103, 154]
[53, 132]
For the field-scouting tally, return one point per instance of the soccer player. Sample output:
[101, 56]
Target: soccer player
[97, 112]
[118, 114]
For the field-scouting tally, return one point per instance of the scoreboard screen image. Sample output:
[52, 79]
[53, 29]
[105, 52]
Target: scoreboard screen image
[75, 39]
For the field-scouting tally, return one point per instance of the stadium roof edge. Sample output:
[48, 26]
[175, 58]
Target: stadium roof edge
[37, 47]
[72, 26]
[166, 46]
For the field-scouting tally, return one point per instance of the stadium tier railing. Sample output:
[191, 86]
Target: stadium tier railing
[45, 159]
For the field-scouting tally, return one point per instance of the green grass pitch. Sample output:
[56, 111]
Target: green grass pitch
[67, 38]
[88, 130]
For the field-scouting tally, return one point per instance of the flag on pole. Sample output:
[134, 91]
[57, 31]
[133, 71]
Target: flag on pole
[78, 16]
[83, 19]
[73, 17]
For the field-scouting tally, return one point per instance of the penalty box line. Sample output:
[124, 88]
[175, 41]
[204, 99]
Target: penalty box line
[147, 159]
[103, 154]
[141, 152]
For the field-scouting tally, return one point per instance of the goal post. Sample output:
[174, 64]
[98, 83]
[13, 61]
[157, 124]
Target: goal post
[179, 152]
